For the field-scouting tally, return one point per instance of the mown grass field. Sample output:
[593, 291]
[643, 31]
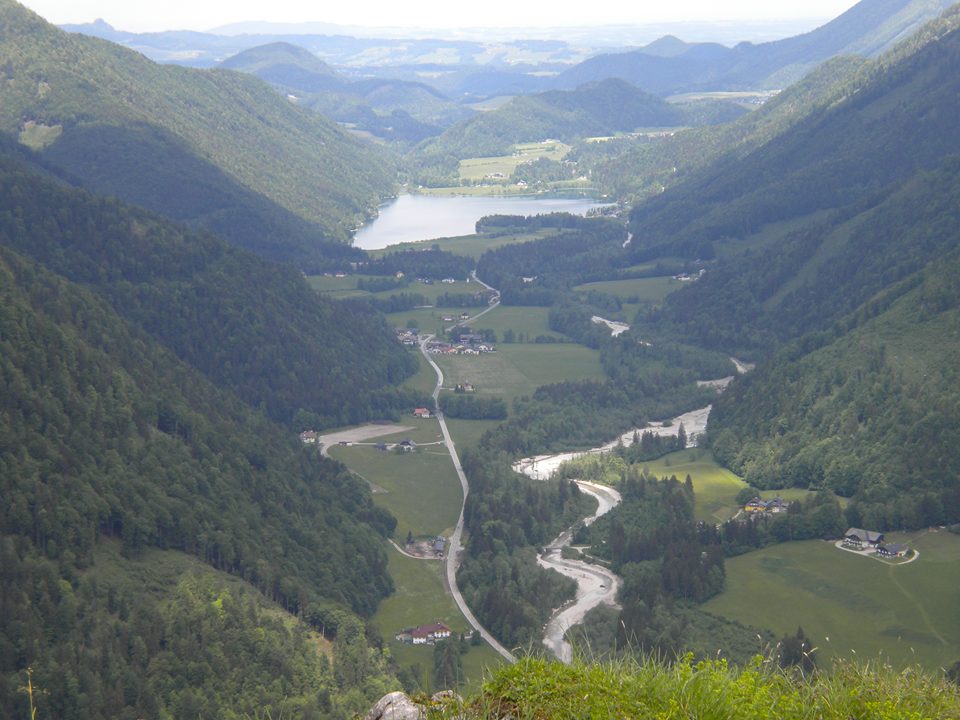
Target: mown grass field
[714, 487]
[425, 380]
[420, 599]
[420, 489]
[528, 321]
[644, 290]
[472, 246]
[854, 606]
[519, 369]
[483, 168]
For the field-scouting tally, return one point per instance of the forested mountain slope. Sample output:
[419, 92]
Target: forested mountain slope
[870, 409]
[105, 434]
[786, 217]
[829, 254]
[210, 148]
[248, 325]
[390, 109]
[868, 28]
[594, 109]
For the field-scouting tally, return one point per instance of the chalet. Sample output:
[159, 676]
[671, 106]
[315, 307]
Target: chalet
[892, 550]
[309, 437]
[855, 537]
[421, 412]
[429, 634]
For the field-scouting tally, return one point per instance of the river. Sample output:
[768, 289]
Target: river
[596, 584]
[424, 217]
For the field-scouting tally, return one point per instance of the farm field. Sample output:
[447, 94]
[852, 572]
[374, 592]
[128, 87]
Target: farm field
[852, 605]
[526, 321]
[519, 369]
[420, 599]
[645, 290]
[467, 433]
[425, 380]
[714, 487]
[472, 246]
[483, 168]
[420, 489]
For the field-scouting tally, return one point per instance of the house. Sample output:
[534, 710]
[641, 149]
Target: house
[448, 281]
[892, 550]
[421, 412]
[856, 537]
[777, 505]
[755, 506]
[439, 545]
[309, 437]
[407, 445]
[429, 634]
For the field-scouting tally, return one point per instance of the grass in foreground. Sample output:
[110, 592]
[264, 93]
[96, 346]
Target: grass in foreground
[536, 689]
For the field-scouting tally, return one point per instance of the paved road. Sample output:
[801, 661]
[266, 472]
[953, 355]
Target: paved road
[453, 552]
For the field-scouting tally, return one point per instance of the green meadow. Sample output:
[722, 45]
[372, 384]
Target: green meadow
[419, 599]
[714, 487]
[854, 606]
[472, 246]
[420, 489]
[527, 321]
[519, 369]
[473, 169]
[644, 290]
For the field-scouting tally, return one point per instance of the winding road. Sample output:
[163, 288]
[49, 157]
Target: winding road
[456, 545]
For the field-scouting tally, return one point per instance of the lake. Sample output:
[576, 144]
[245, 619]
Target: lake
[421, 217]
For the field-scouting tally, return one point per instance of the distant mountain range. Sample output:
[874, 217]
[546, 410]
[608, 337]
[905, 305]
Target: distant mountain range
[669, 65]
[389, 109]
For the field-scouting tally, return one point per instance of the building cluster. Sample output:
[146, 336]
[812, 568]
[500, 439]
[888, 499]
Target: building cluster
[775, 506]
[859, 539]
[468, 345]
[407, 337]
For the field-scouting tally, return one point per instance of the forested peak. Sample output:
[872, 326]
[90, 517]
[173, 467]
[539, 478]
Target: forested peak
[211, 148]
[277, 52]
[16, 19]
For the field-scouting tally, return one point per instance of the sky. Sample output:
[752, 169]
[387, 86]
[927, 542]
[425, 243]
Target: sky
[144, 15]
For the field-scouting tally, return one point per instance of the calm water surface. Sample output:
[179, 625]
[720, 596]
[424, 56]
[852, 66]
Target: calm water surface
[420, 217]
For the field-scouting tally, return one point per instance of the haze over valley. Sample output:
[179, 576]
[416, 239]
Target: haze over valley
[576, 365]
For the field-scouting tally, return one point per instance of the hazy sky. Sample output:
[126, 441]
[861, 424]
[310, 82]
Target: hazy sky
[143, 15]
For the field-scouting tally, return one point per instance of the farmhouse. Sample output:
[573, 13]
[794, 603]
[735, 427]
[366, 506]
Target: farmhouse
[309, 437]
[424, 634]
[892, 550]
[775, 506]
[421, 412]
[855, 537]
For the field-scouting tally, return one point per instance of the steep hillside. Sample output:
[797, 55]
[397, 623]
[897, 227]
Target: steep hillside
[223, 150]
[869, 28]
[903, 103]
[829, 250]
[249, 326]
[869, 410]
